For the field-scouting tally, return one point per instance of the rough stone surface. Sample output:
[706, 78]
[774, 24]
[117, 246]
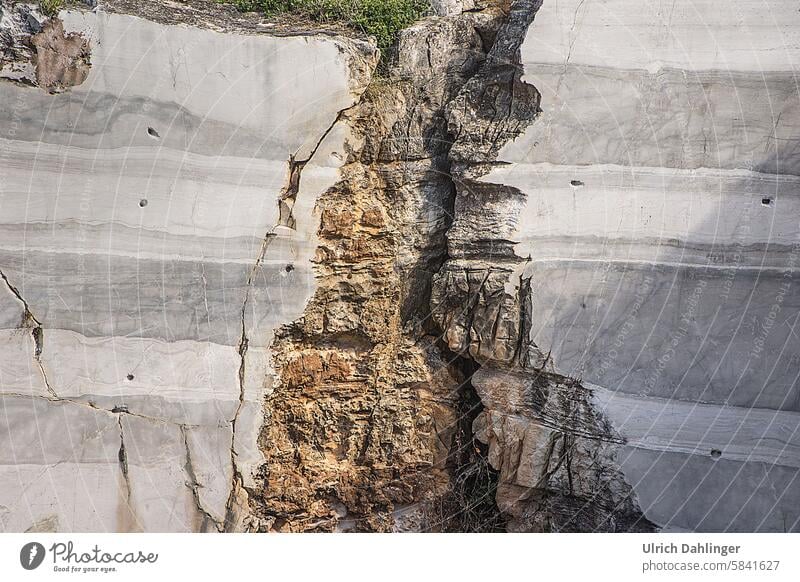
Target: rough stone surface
[363, 416]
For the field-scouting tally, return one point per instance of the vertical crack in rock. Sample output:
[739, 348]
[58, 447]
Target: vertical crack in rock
[122, 458]
[235, 498]
[29, 321]
[194, 485]
[238, 495]
[556, 455]
[27, 314]
[39, 363]
[296, 167]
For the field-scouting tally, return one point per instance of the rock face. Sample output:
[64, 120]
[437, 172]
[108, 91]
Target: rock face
[522, 278]
[37, 51]
[362, 421]
[646, 220]
[555, 453]
[146, 263]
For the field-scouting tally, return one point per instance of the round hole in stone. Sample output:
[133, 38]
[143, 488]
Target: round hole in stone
[142, 202]
[766, 202]
[716, 453]
[153, 133]
[129, 377]
[575, 183]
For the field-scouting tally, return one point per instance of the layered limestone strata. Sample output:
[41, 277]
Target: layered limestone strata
[527, 278]
[151, 241]
[641, 235]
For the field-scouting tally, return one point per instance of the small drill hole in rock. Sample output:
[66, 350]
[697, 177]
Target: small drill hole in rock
[129, 377]
[716, 453]
[142, 202]
[576, 183]
[152, 133]
[289, 268]
[766, 201]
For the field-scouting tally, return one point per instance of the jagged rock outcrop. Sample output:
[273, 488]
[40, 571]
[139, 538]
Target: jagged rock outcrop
[361, 422]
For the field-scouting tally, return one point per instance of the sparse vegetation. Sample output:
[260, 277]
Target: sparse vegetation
[383, 19]
[469, 504]
[51, 7]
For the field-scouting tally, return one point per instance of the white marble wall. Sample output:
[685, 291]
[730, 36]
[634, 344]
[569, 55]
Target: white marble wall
[662, 224]
[133, 210]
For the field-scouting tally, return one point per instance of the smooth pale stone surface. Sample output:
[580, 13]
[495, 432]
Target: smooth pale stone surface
[691, 333]
[63, 497]
[160, 498]
[687, 34]
[212, 467]
[40, 431]
[182, 189]
[739, 434]
[127, 242]
[675, 84]
[674, 119]
[654, 205]
[19, 371]
[279, 91]
[695, 493]
[184, 382]
[656, 272]
[59, 468]
[161, 290]
[170, 299]
[258, 378]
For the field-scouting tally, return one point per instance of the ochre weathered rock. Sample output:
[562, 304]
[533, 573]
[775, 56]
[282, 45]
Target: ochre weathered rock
[365, 443]
[62, 60]
[35, 49]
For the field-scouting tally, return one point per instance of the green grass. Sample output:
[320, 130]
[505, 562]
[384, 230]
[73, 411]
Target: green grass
[383, 19]
[51, 7]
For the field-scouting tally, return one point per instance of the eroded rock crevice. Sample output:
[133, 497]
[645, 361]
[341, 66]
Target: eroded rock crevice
[360, 427]
[126, 500]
